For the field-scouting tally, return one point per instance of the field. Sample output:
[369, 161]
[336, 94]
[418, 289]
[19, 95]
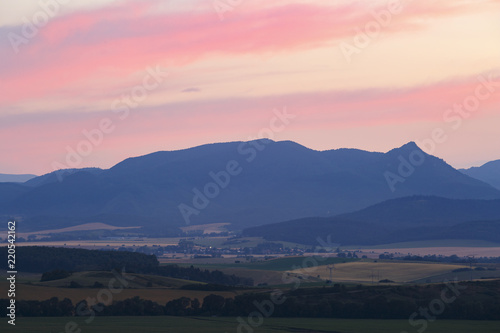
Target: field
[163, 289]
[464, 276]
[430, 243]
[111, 243]
[116, 243]
[215, 241]
[366, 271]
[268, 271]
[446, 247]
[207, 228]
[227, 324]
[159, 295]
[239, 242]
[345, 270]
[445, 251]
[437, 247]
[81, 227]
[279, 264]
[87, 279]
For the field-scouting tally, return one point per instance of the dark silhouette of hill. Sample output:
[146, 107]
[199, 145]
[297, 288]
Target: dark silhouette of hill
[488, 173]
[426, 211]
[271, 181]
[398, 220]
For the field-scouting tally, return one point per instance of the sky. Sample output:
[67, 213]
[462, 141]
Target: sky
[90, 83]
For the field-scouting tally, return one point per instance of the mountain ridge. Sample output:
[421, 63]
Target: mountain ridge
[277, 181]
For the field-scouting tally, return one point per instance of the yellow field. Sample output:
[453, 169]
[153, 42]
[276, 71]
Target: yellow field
[362, 271]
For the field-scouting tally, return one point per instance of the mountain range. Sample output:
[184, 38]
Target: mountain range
[488, 173]
[7, 178]
[242, 183]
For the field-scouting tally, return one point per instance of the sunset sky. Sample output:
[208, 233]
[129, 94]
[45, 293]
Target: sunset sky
[372, 75]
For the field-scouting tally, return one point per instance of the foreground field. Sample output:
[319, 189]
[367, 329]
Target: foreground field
[217, 325]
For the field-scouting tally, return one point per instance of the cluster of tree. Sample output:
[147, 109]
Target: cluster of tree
[135, 306]
[202, 234]
[484, 260]
[192, 273]
[476, 301]
[49, 308]
[347, 254]
[39, 259]
[267, 248]
[53, 260]
[55, 275]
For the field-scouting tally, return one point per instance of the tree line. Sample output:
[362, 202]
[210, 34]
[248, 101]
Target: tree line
[475, 301]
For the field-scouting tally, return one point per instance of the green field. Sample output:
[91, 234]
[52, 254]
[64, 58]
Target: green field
[229, 325]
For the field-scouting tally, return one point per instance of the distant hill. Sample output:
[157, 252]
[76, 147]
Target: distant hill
[399, 220]
[426, 211]
[488, 173]
[270, 181]
[6, 178]
[59, 175]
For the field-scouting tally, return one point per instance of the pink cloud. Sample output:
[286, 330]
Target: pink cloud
[97, 51]
[114, 42]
